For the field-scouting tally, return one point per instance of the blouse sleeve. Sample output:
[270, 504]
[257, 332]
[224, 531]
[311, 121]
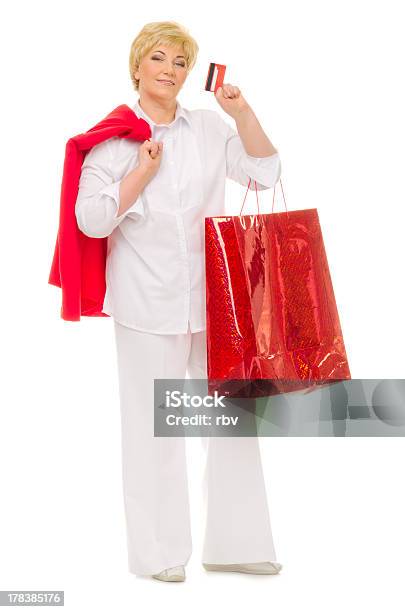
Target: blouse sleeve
[240, 166]
[98, 198]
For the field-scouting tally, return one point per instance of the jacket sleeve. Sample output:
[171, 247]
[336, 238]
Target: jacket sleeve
[98, 198]
[240, 166]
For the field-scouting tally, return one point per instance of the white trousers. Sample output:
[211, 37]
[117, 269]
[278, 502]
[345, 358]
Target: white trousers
[155, 482]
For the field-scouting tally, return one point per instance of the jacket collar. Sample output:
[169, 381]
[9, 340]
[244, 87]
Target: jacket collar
[180, 112]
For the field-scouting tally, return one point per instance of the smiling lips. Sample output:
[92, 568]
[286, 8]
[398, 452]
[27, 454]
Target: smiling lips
[165, 82]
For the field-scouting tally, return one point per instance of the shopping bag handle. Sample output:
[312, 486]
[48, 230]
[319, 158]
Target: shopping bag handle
[257, 197]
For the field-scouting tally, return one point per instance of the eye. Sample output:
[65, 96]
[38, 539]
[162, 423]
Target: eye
[160, 59]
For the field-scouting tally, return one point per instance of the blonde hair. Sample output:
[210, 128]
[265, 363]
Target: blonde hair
[168, 33]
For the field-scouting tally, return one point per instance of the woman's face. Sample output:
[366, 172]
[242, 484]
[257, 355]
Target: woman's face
[160, 65]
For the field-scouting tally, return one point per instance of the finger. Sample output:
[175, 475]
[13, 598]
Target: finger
[152, 151]
[228, 89]
[157, 149]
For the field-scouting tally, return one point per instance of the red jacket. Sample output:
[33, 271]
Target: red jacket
[78, 265]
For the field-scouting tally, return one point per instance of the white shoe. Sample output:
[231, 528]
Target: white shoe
[267, 567]
[172, 574]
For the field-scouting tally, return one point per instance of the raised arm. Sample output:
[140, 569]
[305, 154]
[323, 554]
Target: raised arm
[249, 151]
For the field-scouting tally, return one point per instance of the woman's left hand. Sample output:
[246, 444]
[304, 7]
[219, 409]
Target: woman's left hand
[230, 98]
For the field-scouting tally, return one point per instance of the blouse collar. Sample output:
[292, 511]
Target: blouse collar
[180, 112]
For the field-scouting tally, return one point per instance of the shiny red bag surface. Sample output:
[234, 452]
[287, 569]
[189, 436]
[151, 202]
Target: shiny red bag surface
[272, 320]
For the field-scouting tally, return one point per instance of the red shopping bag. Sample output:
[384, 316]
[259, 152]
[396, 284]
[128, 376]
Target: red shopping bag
[272, 321]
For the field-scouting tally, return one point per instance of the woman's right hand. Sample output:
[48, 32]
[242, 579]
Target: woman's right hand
[150, 155]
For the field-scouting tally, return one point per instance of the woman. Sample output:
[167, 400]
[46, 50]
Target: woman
[150, 199]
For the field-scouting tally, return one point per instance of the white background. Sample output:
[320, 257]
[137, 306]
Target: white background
[326, 81]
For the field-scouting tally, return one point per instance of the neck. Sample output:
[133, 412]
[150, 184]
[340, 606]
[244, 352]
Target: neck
[160, 111]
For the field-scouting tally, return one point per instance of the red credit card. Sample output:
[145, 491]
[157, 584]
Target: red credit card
[215, 77]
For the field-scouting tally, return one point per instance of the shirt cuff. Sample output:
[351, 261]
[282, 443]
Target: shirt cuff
[113, 190]
[263, 170]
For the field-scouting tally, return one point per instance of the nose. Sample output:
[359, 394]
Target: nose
[169, 70]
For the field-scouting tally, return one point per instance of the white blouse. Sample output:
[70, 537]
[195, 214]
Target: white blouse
[155, 268]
